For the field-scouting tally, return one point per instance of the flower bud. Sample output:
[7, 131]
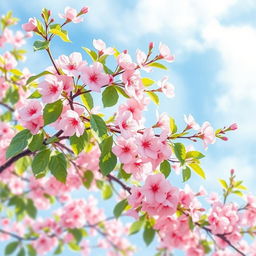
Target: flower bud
[151, 46]
[233, 126]
[84, 10]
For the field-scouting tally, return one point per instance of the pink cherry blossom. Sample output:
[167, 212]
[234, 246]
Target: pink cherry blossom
[71, 64]
[124, 60]
[165, 52]
[166, 87]
[67, 82]
[94, 76]
[191, 123]
[156, 188]
[9, 62]
[51, 89]
[31, 25]
[34, 125]
[70, 14]
[102, 48]
[125, 149]
[208, 134]
[148, 144]
[71, 124]
[31, 110]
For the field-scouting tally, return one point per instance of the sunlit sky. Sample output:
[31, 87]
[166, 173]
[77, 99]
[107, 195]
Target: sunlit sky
[214, 43]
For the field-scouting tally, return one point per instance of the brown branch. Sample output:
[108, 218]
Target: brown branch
[52, 60]
[7, 106]
[26, 152]
[20, 238]
[125, 187]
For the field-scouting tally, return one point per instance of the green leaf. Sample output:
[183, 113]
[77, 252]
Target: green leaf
[12, 95]
[77, 233]
[186, 174]
[11, 247]
[136, 227]
[108, 163]
[35, 95]
[33, 78]
[59, 249]
[87, 100]
[107, 70]
[22, 164]
[148, 234]
[41, 45]
[109, 96]
[191, 223]
[157, 65]
[147, 81]
[40, 162]
[198, 170]
[78, 143]
[91, 53]
[165, 168]
[16, 72]
[21, 252]
[18, 143]
[119, 208]
[46, 14]
[121, 91]
[106, 191]
[173, 126]
[98, 125]
[180, 152]
[37, 142]
[52, 111]
[88, 178]
[74, 246]
[122, 174]
[237, 192]
[31, 250]
[31, 209]
[153, 97]
[63, 34]
[223, 184]
[58, 167]
[106, 145]
[194, 154]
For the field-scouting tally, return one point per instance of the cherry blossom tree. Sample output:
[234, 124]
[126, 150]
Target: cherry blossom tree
[61, 153]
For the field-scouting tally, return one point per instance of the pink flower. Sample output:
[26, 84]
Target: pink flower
[67, 82]
[148, 144]
[165, 52]
[156, 188]
[84, 10]
[34, 125]
[208, 134]
[191, 123]
[3, 87]
[50, 89]
[94, 76]
[71, 64]
[71, 124]
[101, 47]
[124, 60]
[31, 110]
[31, 25]
[136, 197]
[125, 149]
[233, 126]
[44, 243]
[166, 87]
[70, 14]
[9, 62]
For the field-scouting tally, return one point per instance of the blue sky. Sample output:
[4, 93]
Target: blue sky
[214, 72]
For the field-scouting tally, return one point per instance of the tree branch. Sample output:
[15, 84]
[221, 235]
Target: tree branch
[7, 106]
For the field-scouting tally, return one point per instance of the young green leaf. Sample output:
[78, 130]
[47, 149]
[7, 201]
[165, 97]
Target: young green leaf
[153, 97]
[147, 81]
[186, 174]
[148, 234]
[52, 112]
[41, 45]
[165, 168]
[11, 247]
[107, 163]
[119, 208]
[106, 191]
[18, 143]
[136, 227]
[37, 142]
[157, 65]
[98, 125]
[40, 162]
[87, 100]
[78, 143]
[88, 178]
[198, 170]
[180, 152]
[33, 78]
[58, 167]
[109, 96]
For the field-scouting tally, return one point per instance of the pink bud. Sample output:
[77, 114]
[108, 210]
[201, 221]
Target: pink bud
[233, 126]
[232, 171]
[151, 46]
[30, 26]
[224, 138]
[125, 51]
[84, 10]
